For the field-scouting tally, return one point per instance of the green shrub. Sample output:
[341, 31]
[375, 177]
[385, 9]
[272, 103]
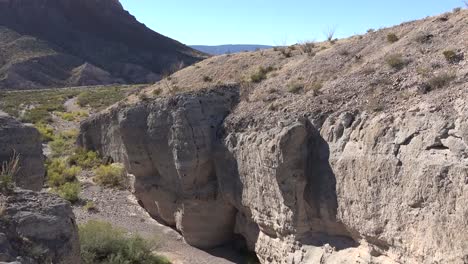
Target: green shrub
[70, 191]
[113, 175]
[83, 98]
[103, 244]
[72, 116]
[261, 74]
[156, 92]
[392, 38]
[395, 61]
[37, 115]
[59, 173]
[84, 159]
[46, 131]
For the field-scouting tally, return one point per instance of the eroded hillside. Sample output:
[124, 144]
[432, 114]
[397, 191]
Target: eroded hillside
[352, 150]
[49, 43]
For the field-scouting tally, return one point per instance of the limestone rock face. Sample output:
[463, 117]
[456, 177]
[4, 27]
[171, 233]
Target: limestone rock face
[348, 187]
[25, 141]
[37, 228]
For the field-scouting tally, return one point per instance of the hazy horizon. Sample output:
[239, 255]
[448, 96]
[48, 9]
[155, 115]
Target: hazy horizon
[275, 23]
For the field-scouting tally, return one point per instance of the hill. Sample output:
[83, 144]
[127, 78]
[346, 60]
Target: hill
[45, 43]
[228, 49]
[347, 151]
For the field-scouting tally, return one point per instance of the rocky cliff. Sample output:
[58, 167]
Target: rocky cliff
[50, 43]
[335, 155]
[25, 141]
[37, 228]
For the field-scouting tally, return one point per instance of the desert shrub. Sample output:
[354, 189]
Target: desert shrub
[286, 52]
[113, 175]
[452, 56]
[8, 171]
[37, 115]
[315, 87]
[72, 116]
[456, 9]
[295, 87]
[101, 243]
[63, 143]
[307, 48]
[46, 131]
[392, 38]
[69, 191]
[83, 98]
[395, 61]
[449, 55]
[330, 33]
[84, 158]
[440, 80]
[261, 74]
[89, 206]
[207, 78]
[156, 92]
[59, 173]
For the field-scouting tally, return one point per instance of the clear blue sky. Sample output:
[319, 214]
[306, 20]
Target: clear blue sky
[275, 22]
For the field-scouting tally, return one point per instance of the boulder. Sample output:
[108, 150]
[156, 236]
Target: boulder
[37, 228]
[24, 140]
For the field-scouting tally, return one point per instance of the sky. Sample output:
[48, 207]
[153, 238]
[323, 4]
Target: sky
[276, 22]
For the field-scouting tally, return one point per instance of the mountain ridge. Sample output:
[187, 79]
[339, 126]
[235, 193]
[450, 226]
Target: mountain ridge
[44, 41]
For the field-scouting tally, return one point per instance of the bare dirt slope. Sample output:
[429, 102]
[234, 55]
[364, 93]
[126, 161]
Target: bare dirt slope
[50, 43]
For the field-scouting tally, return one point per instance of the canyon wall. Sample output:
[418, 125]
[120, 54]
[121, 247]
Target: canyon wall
[301, 188]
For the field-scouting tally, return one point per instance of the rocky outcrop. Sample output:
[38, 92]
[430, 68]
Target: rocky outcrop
[336, 157]
[25, 141]
[356, 186]
[37, 228]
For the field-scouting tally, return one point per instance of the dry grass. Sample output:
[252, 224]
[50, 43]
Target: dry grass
[8, 171]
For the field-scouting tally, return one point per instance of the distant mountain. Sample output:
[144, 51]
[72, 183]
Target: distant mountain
[45, 43]
[225, 49]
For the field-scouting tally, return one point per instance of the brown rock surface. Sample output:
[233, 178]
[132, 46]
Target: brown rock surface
[334, 158]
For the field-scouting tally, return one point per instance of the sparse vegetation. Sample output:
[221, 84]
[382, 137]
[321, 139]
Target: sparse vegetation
[315, 87]
[330, 33]
[72, 116]
[113, 175]
[100, 98]
[440, 80]
[286, 52]
[307, 48]
[8, 171]
[207, 78]
[46, 131]
[261, 74]
[70, 191]
[84, 158]
[452, 56]
[103, 244]
[392, 38]
[89, 206]
[59, 172]
[396, 61]
[295, 87]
